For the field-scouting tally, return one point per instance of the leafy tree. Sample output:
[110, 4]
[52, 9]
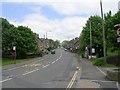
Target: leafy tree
[22, 37]
[96, 32]
[96, 28]
[110, 21]
[65, 42]
[56, 43]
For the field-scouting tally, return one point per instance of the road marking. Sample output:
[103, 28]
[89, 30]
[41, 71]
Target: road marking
[117, 84]
[30, 72]
[13, 68]
[22, 65]
[5, 80]
[101, 71]
[96, 80]
[41, 60]
[72, 80]
[9, 76]
[57, 59]
[46, 65]
[53, 62]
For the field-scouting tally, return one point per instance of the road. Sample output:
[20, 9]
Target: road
[50, 71]
[60, 70]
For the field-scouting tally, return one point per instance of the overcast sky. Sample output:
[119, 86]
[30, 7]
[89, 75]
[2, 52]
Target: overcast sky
[61, 19]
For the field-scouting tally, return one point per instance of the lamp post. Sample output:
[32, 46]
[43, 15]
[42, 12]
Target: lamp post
[14, 54]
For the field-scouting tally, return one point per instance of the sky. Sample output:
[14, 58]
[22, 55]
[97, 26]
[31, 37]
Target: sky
[61, 19]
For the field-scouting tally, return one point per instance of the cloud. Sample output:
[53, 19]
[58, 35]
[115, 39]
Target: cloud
[73, 7]
[68, 27]
[76, 13]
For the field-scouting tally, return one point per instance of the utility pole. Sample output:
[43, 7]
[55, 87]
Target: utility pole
[103, 32]
[46, 35]
[44, 42]
[90, 41]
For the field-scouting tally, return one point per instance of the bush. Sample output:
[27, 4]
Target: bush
[98, 62]
[101, 62]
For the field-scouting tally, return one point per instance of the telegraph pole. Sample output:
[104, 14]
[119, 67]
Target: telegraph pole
[103, 31]
[46, 35]
[44, 42]
[90, 40]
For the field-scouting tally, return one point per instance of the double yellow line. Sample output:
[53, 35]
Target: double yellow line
[72, 80]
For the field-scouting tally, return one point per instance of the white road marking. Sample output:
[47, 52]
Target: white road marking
[53, 62]
[23, 65]
[30, 72]
[13, 68]
[9, 76]
[46, 65]
[96, 80]
[57, 59]
[5, 80]
[117, 84]
[101, 71]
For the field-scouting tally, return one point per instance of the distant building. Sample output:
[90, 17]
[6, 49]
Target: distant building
[73, 44]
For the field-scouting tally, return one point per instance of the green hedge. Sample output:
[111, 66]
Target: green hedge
[101, 62]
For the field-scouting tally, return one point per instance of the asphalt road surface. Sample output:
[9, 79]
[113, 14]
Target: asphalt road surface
[60, 70]
[50, 71]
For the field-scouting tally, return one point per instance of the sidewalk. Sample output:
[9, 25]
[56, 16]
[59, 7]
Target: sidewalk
[92, 77]
[88, 72]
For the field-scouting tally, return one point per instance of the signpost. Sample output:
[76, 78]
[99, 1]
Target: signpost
[14, 54]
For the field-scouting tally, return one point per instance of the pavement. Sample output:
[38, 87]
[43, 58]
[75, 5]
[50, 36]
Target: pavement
[95, 77]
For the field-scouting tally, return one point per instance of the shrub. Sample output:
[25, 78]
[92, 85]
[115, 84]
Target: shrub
[101, 62]
[98, 62]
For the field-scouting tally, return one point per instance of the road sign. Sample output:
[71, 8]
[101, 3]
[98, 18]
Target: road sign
[117, 27]
[14, 48]
[93, 50]
[118, 39]
[118, 32]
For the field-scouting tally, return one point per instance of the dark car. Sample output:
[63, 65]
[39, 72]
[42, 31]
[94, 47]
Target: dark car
[53, 52]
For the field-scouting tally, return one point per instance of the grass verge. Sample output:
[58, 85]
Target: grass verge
[7, 61]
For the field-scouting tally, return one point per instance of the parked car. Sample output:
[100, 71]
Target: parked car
[53, 52]
[65, 49]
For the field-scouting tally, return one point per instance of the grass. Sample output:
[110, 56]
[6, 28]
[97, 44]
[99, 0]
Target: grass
[7, 61]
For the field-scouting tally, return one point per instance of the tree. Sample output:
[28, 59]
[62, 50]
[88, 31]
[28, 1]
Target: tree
[96, 28]
[56, 43]
[110, 21]
[65, 42]
[96, 32]
[22, 37]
